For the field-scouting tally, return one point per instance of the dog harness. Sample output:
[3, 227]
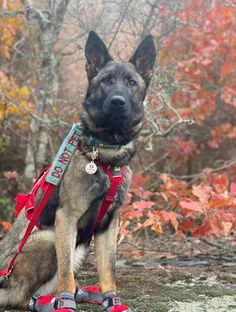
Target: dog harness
[48, 180]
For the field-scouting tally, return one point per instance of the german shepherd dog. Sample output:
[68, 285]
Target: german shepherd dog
[113, 113]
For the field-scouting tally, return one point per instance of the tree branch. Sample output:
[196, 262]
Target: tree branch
[7, 13]
[59, 16]
[43, 16]
[228, 164]
[119, 24]
[154, 120]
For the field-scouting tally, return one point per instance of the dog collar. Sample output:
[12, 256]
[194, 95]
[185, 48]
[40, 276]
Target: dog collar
[93, 141]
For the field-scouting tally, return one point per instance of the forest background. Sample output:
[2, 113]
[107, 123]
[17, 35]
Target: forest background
[184, 181]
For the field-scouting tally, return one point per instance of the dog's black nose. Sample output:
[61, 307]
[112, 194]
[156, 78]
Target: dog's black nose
[117, 100]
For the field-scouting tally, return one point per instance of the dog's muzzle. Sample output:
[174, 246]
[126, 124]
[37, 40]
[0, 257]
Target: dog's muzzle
[117, 105]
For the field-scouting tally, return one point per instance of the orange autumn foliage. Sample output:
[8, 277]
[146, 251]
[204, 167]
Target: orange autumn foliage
[203, 209]
[14, 99]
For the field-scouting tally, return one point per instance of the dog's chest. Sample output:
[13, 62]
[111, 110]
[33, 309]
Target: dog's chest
[79, 189]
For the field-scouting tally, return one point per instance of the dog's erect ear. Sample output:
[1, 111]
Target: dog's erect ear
[144, 58]
[96, 54]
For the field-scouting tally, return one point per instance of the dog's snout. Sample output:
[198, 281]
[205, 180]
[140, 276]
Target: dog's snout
[117, 105]
[118, 100]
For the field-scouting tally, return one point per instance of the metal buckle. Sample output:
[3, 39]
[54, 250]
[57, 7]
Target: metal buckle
[33, 301]
[5, 277]
[116, 301]
[111, 302]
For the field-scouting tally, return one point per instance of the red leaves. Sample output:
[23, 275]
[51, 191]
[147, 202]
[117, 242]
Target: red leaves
[141, 212]
[202, 192]
[188, 205]
[141, 205]
[138, 181]
[213, 144]
[233, 189]
[207, 208]
[187, 226]
[219, 182]
[209, 226]
[181, 150]
[214, 205]
[220, 133]
[226, 69]
[228, 95]
[204, 46]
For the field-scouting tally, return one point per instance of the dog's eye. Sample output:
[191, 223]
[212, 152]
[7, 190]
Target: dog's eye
[131, 83]
[108, 79]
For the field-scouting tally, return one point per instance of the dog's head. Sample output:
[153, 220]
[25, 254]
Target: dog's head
[114, 102]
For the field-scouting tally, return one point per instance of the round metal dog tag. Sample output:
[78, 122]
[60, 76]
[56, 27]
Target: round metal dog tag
[91, 168]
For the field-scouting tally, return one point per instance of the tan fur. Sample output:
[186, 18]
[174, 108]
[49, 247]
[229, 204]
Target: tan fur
[106, 260]
[52, 256]
[37, 264]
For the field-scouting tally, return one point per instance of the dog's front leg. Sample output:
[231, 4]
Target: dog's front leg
[65, 233]
[65, 230]
[105, 250]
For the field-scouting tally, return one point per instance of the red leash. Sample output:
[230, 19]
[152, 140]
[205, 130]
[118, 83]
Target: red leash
[33, 213]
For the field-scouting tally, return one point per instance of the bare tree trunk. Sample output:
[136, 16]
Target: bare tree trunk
[49, 22]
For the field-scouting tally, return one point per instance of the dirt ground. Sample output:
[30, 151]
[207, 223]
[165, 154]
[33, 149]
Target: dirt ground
[174, 289]
[173, 276]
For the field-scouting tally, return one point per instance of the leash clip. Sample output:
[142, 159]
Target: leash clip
[5, 277]
[94, 153]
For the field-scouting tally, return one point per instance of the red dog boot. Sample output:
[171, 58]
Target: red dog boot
[89, 294]
[42, 303]
[111, 303]
[65, 302]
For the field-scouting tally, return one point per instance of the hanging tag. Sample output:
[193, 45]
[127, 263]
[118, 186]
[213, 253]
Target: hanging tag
[91, 167]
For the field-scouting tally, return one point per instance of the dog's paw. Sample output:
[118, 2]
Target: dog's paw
[65, 302]
[112, 303]
[89, 294]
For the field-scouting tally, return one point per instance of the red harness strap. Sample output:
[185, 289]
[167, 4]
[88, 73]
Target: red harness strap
[28, 201]
[34, 210]
[116, 177]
